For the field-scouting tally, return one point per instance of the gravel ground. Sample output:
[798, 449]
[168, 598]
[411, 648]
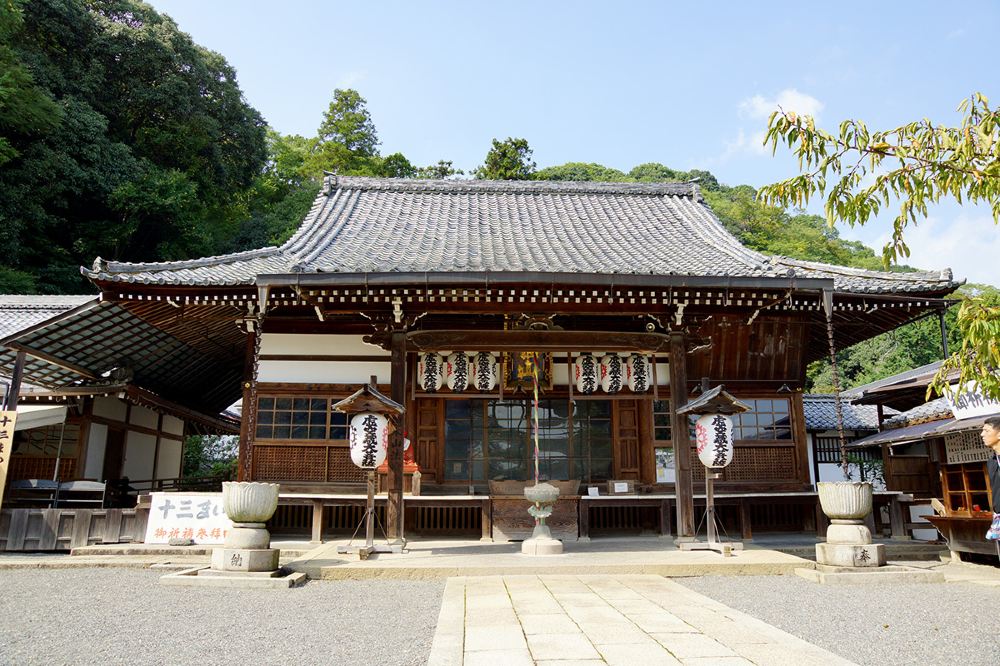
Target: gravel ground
[121, 616]
[887, 624]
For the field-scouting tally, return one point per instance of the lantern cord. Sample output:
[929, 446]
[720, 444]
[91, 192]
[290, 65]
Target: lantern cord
[534, 382]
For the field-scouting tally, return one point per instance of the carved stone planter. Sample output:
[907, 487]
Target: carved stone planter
[247, 546]
[845, 500]
[848, 539]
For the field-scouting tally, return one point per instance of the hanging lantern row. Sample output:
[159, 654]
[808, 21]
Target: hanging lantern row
[611, 372]
[714, 436]
[460, 371]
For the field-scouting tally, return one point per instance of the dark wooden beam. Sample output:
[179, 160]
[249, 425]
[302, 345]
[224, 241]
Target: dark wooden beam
[539, 341]
[394, 481]
[48, 358]
[681, 441]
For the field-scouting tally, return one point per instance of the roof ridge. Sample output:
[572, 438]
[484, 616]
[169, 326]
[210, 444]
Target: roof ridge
[909, 276]
[512, 186]
[111, 266]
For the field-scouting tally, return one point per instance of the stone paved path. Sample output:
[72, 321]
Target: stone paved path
[625, 619]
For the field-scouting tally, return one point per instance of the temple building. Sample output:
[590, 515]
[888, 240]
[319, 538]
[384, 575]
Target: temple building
[629, 298]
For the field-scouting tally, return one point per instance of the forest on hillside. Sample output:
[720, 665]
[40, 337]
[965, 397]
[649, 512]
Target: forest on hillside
[122, 138]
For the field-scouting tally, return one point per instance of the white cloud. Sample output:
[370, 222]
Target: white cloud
[352, 78]
[758, 109]
[968, 243]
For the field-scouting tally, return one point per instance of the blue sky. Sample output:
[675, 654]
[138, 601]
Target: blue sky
[685, 84]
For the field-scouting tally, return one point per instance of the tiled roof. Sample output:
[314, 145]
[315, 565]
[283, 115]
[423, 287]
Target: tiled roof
[368, 225]
[19, 312]
[935, 410]
[821, 413]
[924, 372]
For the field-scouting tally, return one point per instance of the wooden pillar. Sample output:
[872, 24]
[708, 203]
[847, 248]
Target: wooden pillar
[679, 437]
[248, 415]
[14, 389]
[394, 480]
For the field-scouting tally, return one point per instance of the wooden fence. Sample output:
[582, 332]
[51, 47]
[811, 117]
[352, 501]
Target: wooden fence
[64, 529]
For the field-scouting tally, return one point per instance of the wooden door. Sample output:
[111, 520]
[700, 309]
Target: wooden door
[114, 451]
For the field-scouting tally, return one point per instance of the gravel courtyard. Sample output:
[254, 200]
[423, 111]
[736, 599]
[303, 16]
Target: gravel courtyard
[124, 616]
[884, 625]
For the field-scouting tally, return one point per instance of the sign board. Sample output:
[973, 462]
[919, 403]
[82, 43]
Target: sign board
[195, 516]
[665, 472]
[7, 420]
[965, 447]
[972, 403]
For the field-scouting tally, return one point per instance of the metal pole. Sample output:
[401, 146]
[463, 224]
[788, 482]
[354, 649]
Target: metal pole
[370, 513]
[713, 536]
[944, 335]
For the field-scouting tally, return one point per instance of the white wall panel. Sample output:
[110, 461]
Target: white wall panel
[140, 454]
[168, 460]
[314, 345]
[142, 416]
[326, 372]
[97, 439]
[173, 425]
[109, 408]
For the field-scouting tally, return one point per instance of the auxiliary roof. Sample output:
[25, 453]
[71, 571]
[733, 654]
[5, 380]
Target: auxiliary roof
[385, 226]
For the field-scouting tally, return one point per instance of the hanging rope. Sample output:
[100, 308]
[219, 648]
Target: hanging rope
[534, 381]
[250, 410]
[838, 410]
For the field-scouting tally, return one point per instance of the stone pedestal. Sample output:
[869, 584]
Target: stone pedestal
[245, 559]
[851, 555]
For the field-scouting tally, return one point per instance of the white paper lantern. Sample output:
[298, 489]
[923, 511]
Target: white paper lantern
[485, 373]
[637, 370]
[457, 371]
[714, 435]
[369, 439]
[612, 373]
[430, 372]
[586, 373]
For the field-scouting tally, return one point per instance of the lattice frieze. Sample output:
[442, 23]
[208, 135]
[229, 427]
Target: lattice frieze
[289, 463]
[754, 463]
[341, 468]
[32, 467]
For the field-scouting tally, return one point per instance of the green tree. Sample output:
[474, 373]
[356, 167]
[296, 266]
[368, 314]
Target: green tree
[440, 171]
[146, 156]
[916, 165]
[581, 171]
[509, 159]
[346, 142]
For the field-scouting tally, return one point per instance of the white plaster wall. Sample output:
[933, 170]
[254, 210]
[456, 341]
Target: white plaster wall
[834, 472]
[142, 416]
[812, 458]
[173, 425]
[140, 453]
[918, 510]
[325, 372]
[110, 408]
[168, 460]
[97, 439]
[312, 345]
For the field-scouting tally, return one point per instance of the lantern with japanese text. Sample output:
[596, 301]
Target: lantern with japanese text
[369, 439]
[612, 373]
[714, 437]
[637, 370]
[430, 372]
[457, 371]
[485, 373]
[585, 373]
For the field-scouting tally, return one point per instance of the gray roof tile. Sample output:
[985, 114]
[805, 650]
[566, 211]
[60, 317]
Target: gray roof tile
[821, 413]
[20, 312]
[369, 225]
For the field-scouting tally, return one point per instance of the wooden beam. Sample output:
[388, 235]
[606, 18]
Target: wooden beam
[679, 437]
[48, 358]
[394, 481]
[539, 341]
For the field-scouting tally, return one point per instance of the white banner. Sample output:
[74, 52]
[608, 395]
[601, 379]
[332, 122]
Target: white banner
[972, 403]
[195, 516]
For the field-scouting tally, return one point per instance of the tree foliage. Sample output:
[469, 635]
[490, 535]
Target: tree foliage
[123, 139]
[916, 165]
[509, 159]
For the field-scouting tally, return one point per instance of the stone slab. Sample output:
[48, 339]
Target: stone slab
[870, 576]
[190, 578]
